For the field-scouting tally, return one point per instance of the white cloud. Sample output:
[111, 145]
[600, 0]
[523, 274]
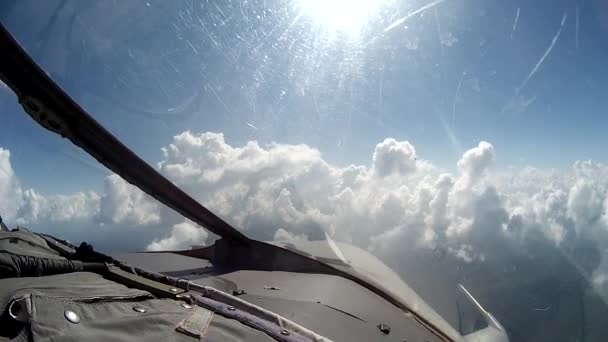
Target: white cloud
[394, 157]
[438, 220]
[585, 203]
[76, 207]
[466, 253]
[474, 163]
[10, 190]
[283, 235]
[183, 236]
[124, 203]
[120, 203]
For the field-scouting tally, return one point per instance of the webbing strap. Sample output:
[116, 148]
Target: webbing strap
[133, 280]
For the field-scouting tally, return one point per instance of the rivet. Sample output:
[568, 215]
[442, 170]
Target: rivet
[173, 289]
[71, 316]
[285, 332]
[186, 305]
[139, 309]
[231, 308]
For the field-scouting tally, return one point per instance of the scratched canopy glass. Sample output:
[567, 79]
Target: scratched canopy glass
[457, 141]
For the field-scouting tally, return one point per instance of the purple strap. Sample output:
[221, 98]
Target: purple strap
[246, 318]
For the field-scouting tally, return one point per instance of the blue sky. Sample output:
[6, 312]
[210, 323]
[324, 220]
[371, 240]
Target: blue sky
[305, 83]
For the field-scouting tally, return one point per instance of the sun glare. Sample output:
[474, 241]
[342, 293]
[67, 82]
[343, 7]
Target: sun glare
[348, 16]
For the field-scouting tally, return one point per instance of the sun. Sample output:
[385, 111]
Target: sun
[347, 16]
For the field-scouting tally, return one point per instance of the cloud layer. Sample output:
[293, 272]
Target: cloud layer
[398, 201]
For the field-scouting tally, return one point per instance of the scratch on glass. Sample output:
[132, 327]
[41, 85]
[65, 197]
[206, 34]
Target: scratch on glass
[456, 95]
[577, 27]
[192, 46]
[544, 56]
[411, 14]
[515, 22]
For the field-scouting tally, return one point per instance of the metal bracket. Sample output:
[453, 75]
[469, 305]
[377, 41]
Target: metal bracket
[44, 115]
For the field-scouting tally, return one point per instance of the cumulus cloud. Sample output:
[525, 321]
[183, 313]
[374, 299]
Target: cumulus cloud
[183, 236]
[120, 203]
[76, 207]
[124, 203]
[10, 190]
[394, 157]
[585, 203]
[466, 253]
[395, 203]
[289, 192]
[293, 188]
[282, 235]
[474, 163]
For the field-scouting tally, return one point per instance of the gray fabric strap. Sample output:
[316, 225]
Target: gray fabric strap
[259, 312]
[270, 328]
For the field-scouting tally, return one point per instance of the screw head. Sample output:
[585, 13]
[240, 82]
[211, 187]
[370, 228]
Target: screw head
[71, 316]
